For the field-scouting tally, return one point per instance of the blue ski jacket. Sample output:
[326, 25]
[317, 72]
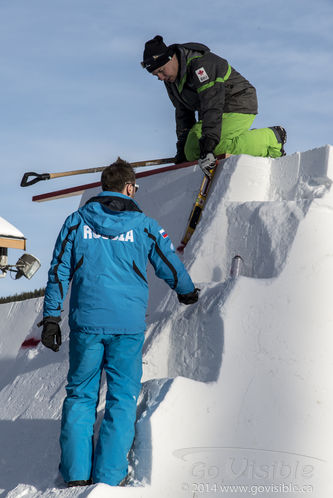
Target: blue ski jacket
[103, 249]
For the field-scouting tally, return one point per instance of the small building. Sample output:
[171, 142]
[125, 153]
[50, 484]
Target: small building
[10, 238]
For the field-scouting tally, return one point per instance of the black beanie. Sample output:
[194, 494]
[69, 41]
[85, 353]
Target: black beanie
[156, 54]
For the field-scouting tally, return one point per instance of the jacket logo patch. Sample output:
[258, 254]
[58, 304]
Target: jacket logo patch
[123, 237]
[163, 233]
[202, 75]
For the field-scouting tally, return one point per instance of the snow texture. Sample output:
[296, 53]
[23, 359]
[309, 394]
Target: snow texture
[236, 388]
[8, 230]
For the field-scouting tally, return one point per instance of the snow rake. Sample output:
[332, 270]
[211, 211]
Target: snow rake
[31, 177]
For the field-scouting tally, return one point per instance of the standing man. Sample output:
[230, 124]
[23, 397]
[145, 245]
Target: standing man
[196, 79]
[103, 249]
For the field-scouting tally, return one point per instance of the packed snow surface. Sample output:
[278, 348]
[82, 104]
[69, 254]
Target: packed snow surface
[237, 388]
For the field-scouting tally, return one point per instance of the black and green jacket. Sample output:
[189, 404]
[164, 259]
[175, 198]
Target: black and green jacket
[208, 84]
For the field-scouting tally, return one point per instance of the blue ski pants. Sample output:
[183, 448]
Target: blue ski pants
[121, 358]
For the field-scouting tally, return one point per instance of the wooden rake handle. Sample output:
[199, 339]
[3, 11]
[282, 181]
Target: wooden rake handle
[30, 178]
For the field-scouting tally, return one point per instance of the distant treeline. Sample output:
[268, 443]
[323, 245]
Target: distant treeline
[23, 296]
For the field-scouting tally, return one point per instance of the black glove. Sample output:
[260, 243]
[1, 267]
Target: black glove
[51, 334]
[189, 298]
[180, 157]
[182, 137]
[206, 145]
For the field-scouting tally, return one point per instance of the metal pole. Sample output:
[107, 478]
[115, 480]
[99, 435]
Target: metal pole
[236, 266]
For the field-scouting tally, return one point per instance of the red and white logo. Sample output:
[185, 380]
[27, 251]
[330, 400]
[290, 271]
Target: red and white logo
[202, 75]
[163, 233]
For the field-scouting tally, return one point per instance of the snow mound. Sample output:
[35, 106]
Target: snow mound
[237, 388]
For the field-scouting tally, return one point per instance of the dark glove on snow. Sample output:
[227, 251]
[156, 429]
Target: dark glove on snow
[180, 156]
[51, 334]
[189, 298]
[182, 137]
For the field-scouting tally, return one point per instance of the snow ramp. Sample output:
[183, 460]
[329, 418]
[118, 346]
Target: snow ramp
[236, 396]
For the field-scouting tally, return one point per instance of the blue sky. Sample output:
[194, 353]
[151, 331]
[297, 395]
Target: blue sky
[73, 94]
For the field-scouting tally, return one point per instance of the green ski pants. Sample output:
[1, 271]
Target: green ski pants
[236, 138]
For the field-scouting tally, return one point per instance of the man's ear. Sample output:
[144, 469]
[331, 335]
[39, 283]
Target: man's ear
[128, 190]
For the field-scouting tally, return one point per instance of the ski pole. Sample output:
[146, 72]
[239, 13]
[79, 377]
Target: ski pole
[31, 177]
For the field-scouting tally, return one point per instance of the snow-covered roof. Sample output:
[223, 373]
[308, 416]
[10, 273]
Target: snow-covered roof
[8, 230]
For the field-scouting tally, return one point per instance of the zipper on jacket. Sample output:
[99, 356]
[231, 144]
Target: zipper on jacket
[138, 272]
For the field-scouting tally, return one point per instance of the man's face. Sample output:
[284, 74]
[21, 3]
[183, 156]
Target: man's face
[169, 71]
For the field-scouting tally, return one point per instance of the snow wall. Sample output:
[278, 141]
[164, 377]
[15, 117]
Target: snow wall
[236, 396]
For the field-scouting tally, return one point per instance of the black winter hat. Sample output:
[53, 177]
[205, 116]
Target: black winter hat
[156, 54]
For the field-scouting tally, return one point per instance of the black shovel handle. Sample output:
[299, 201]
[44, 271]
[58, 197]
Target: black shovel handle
[25, 182]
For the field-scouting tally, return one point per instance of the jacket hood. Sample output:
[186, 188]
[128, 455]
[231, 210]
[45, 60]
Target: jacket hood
[111, 213]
